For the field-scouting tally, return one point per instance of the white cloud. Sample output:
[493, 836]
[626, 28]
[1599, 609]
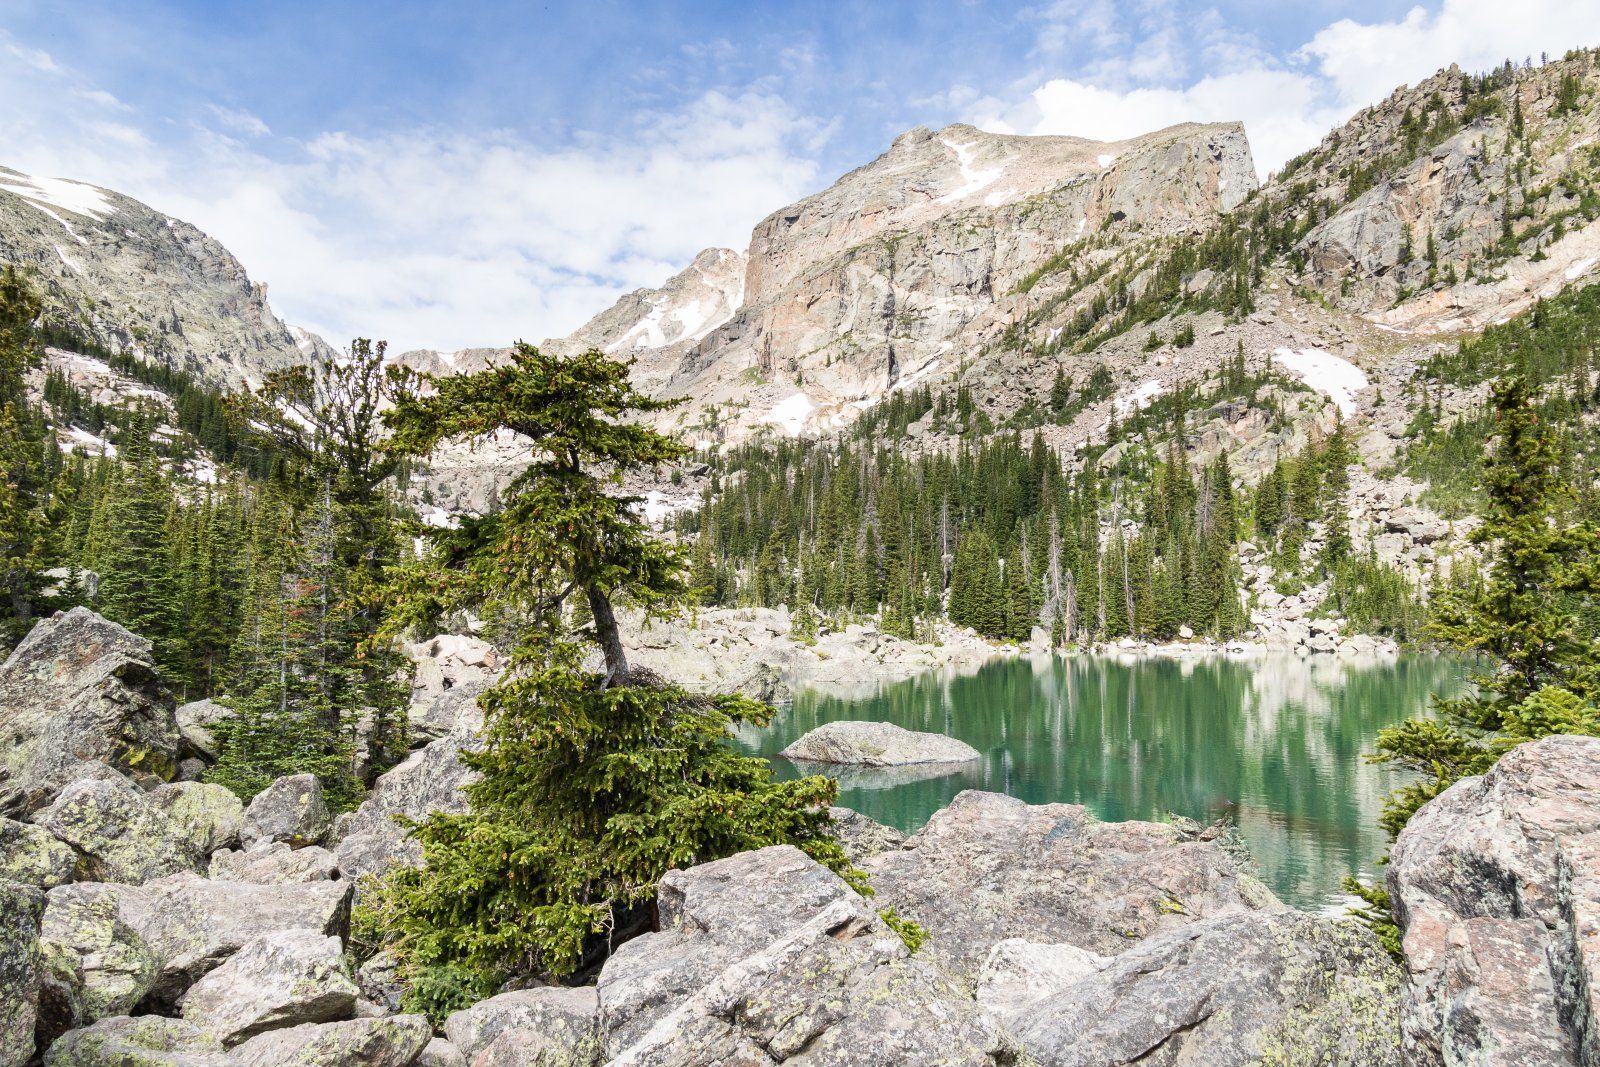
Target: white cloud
[429, 238]
[1286, 104]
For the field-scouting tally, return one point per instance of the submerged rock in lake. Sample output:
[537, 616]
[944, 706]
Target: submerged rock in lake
[878, 744]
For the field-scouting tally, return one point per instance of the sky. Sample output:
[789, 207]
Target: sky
[448, 175]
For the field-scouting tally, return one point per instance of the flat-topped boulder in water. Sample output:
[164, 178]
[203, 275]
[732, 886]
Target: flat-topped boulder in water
[877, 744]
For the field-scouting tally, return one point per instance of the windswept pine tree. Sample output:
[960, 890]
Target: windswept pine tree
[25, 544]
[594, 778]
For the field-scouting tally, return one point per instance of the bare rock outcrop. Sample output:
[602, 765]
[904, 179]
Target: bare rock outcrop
[877, 744]
[1496, 886]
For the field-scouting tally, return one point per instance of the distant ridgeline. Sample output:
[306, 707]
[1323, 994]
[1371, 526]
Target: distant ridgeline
[996, 535]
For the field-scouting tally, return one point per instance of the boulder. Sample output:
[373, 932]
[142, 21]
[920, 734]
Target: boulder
[31, 855]
[552, 1026]
[96, 965]
[197, 722]
[380, 982]
[1495, 884]
[79, 688]
[148, 1041]
[877, 744]
[863, 837]
[1020, 973]
[21, 911]
[117, 833]
[393, 1041]
[192, 924]
[433, 715]
[291, 809]
[439, 1053]
[430, 779]
[767, 956]
[208, 814]
[1279, 987]
[279, 979]
[275, 863]
[990, 867]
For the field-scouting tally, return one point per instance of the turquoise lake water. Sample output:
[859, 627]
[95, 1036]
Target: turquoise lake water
[1275, 744]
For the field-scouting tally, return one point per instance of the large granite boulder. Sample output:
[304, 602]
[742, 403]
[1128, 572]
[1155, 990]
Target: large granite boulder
[117, 833]
[96, 965]
[393, 1041]
[877, 744]
[79, 688]
[430, 779]
[280, 979]
[197, 726]
[147, 1041]
[381, 982]
[862, 837]
[432, 715]
[1496, 886]
[1020, 973]
[21, 911]
[1280, 987]
[209, 815]
[291, 809]
[33, 856]
[275, 863]
[990, 867]
[767, 956]
[542, 1027]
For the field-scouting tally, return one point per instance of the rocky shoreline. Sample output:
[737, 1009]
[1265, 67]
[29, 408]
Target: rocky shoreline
[148, 921]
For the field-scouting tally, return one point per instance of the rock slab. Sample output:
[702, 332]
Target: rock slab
[877, 744]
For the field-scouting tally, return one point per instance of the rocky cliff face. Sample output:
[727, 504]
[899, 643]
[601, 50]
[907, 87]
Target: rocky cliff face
[902, 268]
[134, 280]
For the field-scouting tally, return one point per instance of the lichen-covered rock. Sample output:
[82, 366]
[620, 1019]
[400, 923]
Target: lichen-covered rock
[767, 957]
[1279, 987]
[276, 980]
[393, 1041]
[862, 837]
[1019, 974]
[147, 1041]
[96, 964]
[990, 867]
[380, 982]
[197, 722]
[274, 863]
[209, 814]
[79, 688]
[440, 1053]
[543, 1027]
[433, 715]
[32, 856]
[193, 924]
[877, 744]
[1496, 887]
[291, 809]
[117, 833]
[21, 911]
[430, 779]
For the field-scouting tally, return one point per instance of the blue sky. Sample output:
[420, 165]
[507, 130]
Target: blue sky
[452, 174]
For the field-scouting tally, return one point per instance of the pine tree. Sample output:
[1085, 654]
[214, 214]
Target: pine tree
[592, 782]
[24, 524]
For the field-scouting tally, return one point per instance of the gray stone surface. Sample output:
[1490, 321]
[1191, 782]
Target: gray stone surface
[1496, 886]
[877, 744]
[380, 982]
[291, 810]
[117, 833]
[197, 722]
[430, 779]
[551, 1026]
[275, 863]
[1019, 973]
[208, 814]
[989, 867]
[276, 980]
[767, 957]
[21, 912]
[394, 1041]
[79, 688]
[31, 855]
[1279, 987]
[863, 837]
[146, 1041]
[96, 964]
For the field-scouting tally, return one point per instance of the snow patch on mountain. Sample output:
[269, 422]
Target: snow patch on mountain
[1333, 376]
[974, 181]
[75, 197]
[791, 414]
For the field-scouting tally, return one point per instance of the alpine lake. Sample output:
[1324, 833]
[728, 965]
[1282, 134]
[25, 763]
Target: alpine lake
[1275, 744]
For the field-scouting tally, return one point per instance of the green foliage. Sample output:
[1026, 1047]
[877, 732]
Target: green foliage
[591, 783]
[913, 933]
